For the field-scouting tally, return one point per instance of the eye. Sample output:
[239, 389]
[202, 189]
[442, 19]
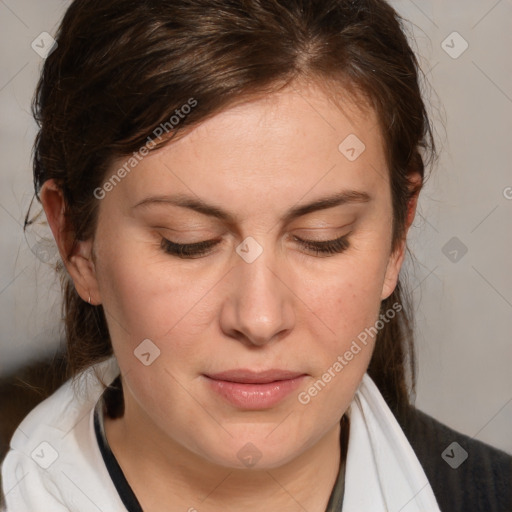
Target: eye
[195, 250]
[199, 249]
[325, 247]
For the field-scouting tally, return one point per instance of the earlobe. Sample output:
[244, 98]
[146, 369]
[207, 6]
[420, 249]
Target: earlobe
[393, 271]
[76, 256]
[397, 258]
[82, 270]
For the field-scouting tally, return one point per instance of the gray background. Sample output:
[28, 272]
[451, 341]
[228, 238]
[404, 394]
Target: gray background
[463, 301]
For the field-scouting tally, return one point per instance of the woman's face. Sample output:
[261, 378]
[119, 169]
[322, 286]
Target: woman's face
[257, 304]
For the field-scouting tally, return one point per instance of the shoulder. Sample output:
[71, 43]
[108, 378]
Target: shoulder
[53, 460]
[465, 474]
[60, 413]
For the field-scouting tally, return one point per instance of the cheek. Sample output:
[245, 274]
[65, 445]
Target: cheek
[135, 295]
[348, 305]
[348, 297]
[147, 296]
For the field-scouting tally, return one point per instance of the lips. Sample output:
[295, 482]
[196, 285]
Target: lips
[254, 390]
[254, 377]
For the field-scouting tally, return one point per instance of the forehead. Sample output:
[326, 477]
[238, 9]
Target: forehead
[272, 149]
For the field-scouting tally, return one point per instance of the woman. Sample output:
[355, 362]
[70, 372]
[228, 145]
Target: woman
[230, 185]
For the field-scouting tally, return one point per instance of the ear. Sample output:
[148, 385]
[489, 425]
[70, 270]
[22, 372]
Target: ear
[78, 259]
[397, 257]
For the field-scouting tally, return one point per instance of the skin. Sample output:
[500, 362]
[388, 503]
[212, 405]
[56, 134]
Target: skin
[290, 309]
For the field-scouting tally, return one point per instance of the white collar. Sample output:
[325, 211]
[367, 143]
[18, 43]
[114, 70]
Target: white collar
[383, 473]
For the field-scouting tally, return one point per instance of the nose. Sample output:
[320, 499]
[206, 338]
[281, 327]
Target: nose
[259, 306]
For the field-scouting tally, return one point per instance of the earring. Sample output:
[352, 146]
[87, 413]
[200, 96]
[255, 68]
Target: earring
[89, 299]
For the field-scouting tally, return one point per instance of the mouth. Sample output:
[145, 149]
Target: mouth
[251, 390]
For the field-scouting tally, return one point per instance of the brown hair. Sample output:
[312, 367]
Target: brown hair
[123, 67]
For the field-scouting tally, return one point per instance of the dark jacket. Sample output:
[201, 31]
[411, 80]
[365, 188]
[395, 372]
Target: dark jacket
[482, 482]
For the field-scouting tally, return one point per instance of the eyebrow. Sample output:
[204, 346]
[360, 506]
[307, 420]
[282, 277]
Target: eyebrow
[200, 206]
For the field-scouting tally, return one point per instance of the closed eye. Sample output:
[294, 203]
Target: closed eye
[325, 247]
[197, 250]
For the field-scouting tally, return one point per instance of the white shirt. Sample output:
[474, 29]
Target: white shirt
[54, 464]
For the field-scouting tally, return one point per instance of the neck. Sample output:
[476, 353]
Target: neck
[162, 472]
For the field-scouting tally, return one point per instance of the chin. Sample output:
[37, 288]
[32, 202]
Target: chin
[255, 448]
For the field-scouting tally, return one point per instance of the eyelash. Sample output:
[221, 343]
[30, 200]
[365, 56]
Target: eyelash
[196, 250]
[326, 247]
